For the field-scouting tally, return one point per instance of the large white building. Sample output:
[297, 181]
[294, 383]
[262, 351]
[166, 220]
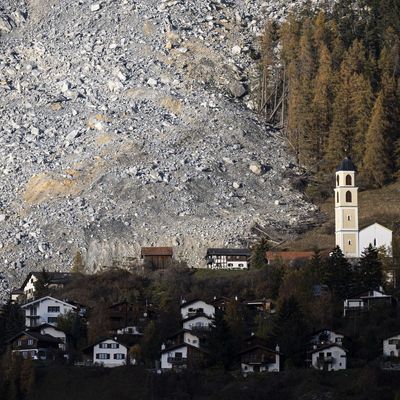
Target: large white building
[349, 238]
[45, 310]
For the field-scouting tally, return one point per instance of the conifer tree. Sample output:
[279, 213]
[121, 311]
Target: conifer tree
[361, 108]
[370, 274]
[376, 166]
[27, 379]
[321, 104]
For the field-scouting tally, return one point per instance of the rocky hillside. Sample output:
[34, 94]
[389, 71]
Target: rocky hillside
[130, 122]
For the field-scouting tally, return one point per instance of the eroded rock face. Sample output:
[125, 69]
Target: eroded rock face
[129, 124]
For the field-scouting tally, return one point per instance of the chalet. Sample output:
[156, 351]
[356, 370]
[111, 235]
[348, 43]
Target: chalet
[260, 306]
[365, 301]
[54, 280]
[328, 357]
[257, 357]
[36, 345]
[326, 336]
[45, 310]
[157, 257]
[183, 356]
[220, 303]
[196, 307]
[391, 346]
[130, 317]
[110, 352]
[228, 258]
[50, 330]
[198, 322]
[184, 336]
[16, 295]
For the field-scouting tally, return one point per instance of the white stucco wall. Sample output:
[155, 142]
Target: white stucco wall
[165, 355]
[389, 346]
[111, 352]
[378, 236]
[338, 355]
[191, 308]
[41, 309]
[29, 288]
[199, 322]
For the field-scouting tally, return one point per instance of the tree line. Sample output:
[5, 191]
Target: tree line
[331, 79]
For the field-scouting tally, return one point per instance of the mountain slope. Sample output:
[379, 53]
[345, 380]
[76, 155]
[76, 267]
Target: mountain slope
[130, 123]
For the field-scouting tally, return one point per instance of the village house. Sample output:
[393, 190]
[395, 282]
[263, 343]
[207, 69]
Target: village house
[328, 357]
[111, 352]
[45, 310]
[157, 257]
[196, 307]
[128, 317]
[183, 356]
[257, 357]
[198, 322]
[365, 301]
[55, 280]
[326, 336]
[391, 346]
[37, 346]
[183, 336]
[228, 258]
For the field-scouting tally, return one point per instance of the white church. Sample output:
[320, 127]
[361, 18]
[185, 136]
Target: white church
[349, 238]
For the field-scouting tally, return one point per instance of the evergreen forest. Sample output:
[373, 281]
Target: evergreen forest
[331, 79]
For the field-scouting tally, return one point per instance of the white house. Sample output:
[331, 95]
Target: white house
[197, 322]
[326, 336]
[182, 356]
[55, 280]
[197, 307]
[365, 301]
[391, 346]
[228, 258]
[329, 357]
[377, 236]
[109, 353]
[45, 310]
[260, 359]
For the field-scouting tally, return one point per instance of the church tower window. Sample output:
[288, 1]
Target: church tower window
[337, 197]
[337, 180]
[348, 196]
[348, 180]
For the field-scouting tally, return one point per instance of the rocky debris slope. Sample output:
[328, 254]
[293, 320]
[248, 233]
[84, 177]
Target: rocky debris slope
[129, 123]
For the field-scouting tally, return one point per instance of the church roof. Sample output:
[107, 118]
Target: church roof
[346, 165]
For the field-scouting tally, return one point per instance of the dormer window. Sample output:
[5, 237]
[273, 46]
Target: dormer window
[348, 180]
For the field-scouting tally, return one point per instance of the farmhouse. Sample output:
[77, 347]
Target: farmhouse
[228, 258]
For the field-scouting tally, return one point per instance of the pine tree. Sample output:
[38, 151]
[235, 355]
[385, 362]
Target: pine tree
[258, 254]
[236, 320]
[370, 274]
[27, 379]
[77, 264]
[376, 166]
[361, 108]
[290, 330]
[321, 104]
[337, 274]
[221, 341]
[42, 284]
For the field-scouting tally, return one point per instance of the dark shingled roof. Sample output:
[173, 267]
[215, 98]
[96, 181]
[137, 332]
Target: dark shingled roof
[228, 252]
[346, 165]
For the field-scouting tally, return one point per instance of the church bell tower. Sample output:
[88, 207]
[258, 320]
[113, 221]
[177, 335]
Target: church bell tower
[346, 209]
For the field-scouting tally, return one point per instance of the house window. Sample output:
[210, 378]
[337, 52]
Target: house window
[374, 242]
[348, 180]
[337, 180]
[230, 265]
[178, 355]
[348, 196]
[102, 356]
[329, 354]
[240, 265]
[52, 320]
[30, 342]
[114, 346]
[119, 356]
[19, 343]
[53, 309]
